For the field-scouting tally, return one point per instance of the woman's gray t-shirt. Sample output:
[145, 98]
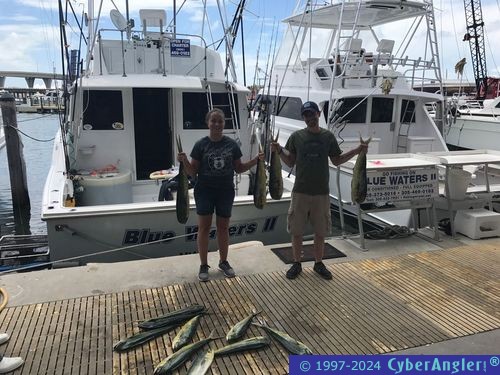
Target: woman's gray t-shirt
[216, 161]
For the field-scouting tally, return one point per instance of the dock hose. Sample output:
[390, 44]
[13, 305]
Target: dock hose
[4, 299]
[390, 232]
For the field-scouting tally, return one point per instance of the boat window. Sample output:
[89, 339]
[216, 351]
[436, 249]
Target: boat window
[289, 107]
[349, 113]
[407, 111]
[195, 108]
[266, 100]
[102, 117]
[382, 109]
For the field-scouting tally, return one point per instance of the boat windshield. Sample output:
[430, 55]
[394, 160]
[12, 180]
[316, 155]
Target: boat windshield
[296, 43]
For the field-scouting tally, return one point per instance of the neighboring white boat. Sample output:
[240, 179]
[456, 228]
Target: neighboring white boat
[475, 128]
[362, 86]
[2, 135]
[134, 97]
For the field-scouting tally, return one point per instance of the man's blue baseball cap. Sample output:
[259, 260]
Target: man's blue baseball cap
[309, 107]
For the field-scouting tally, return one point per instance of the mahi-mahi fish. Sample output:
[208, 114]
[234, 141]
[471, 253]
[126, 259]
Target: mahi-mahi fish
[182, 355]
[248, 344]
[186, 333]
[290, 344]
[240, 328]
[182, 201]
[259, 189]
[359, 181]
[275, 177]
[202, 363]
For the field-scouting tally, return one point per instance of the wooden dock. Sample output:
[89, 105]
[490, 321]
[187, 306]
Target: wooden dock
[371, 306]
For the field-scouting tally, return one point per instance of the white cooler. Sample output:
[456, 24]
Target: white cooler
[478, 223]
[106, 188]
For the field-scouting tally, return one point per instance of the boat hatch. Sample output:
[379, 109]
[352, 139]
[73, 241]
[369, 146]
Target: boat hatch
[152, 131]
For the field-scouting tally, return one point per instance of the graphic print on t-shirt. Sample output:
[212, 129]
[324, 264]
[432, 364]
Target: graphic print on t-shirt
[312, 150]
[220, 160]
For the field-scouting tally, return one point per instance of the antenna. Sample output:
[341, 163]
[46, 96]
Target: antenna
[118, 20]
[121, 24]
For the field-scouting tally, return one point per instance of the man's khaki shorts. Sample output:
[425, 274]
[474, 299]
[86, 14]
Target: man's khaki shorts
[315, 208]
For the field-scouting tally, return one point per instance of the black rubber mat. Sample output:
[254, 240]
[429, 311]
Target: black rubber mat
[286, 253]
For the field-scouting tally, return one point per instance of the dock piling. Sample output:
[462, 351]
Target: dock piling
[17, 167]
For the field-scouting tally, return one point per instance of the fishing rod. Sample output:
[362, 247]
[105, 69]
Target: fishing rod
[64, 53]
[266, 101]
[256, 65]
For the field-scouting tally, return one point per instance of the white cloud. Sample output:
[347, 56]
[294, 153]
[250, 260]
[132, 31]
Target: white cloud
[22, 41]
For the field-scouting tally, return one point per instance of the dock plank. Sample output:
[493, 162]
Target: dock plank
[371, 306]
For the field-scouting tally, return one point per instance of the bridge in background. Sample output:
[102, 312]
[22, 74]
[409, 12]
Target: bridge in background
[30, 78]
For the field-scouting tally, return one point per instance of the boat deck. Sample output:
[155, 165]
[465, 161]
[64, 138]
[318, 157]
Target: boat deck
[371, 306]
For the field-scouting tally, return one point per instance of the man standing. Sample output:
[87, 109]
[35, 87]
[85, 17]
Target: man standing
[309, 149]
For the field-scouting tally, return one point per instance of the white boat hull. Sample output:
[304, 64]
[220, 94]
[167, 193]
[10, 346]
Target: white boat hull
[474, 133]
[129, 228]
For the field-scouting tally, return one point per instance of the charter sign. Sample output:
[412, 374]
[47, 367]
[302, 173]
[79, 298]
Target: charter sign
[402, 185]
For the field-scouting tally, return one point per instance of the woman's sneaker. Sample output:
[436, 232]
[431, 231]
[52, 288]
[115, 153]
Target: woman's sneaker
[226, 268]
[203, 274]
[294, 270]
[321, 269]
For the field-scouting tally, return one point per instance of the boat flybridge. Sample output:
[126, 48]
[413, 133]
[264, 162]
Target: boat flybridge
[360, 61]
[131, 96]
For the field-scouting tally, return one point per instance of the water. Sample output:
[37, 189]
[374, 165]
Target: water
[37, 156]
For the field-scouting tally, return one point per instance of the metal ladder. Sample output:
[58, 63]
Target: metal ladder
[231, 105]
[436, 64]
[404, 129]
[347, 36]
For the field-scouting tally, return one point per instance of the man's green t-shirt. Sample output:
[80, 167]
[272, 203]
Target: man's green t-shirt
[312, 151]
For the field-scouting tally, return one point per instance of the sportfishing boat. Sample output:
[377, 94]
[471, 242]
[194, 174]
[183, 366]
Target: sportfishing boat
[475, 128]
[133, 93]
[341, 56]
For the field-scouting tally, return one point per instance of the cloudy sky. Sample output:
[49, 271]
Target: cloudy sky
[29, 34]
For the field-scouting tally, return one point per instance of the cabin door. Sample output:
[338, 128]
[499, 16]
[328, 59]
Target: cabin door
[152, 131]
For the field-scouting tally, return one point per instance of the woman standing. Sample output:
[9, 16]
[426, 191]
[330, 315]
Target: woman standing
[214, 159]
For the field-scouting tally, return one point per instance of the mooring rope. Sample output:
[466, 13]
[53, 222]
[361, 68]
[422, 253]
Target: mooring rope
[391, 232]
[4, 299]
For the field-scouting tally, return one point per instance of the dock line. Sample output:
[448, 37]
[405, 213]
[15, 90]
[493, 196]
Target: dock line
[5, 298]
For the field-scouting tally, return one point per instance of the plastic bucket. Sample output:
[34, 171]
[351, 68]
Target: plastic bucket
[458, 181]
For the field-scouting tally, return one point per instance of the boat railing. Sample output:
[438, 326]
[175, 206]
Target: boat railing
[360, 67]
[161, 40]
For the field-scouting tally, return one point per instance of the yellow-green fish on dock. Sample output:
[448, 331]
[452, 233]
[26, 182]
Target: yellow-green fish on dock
[202, 363]
[177, 358]
[182, 201]
[288, 342]
[240, 328]
[275, 177]
[177, 316]
[240, 346]
[359, 180]
[186, 333]
[142, 337]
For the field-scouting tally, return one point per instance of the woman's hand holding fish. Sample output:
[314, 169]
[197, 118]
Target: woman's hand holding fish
[362, 147]
[182, 157]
